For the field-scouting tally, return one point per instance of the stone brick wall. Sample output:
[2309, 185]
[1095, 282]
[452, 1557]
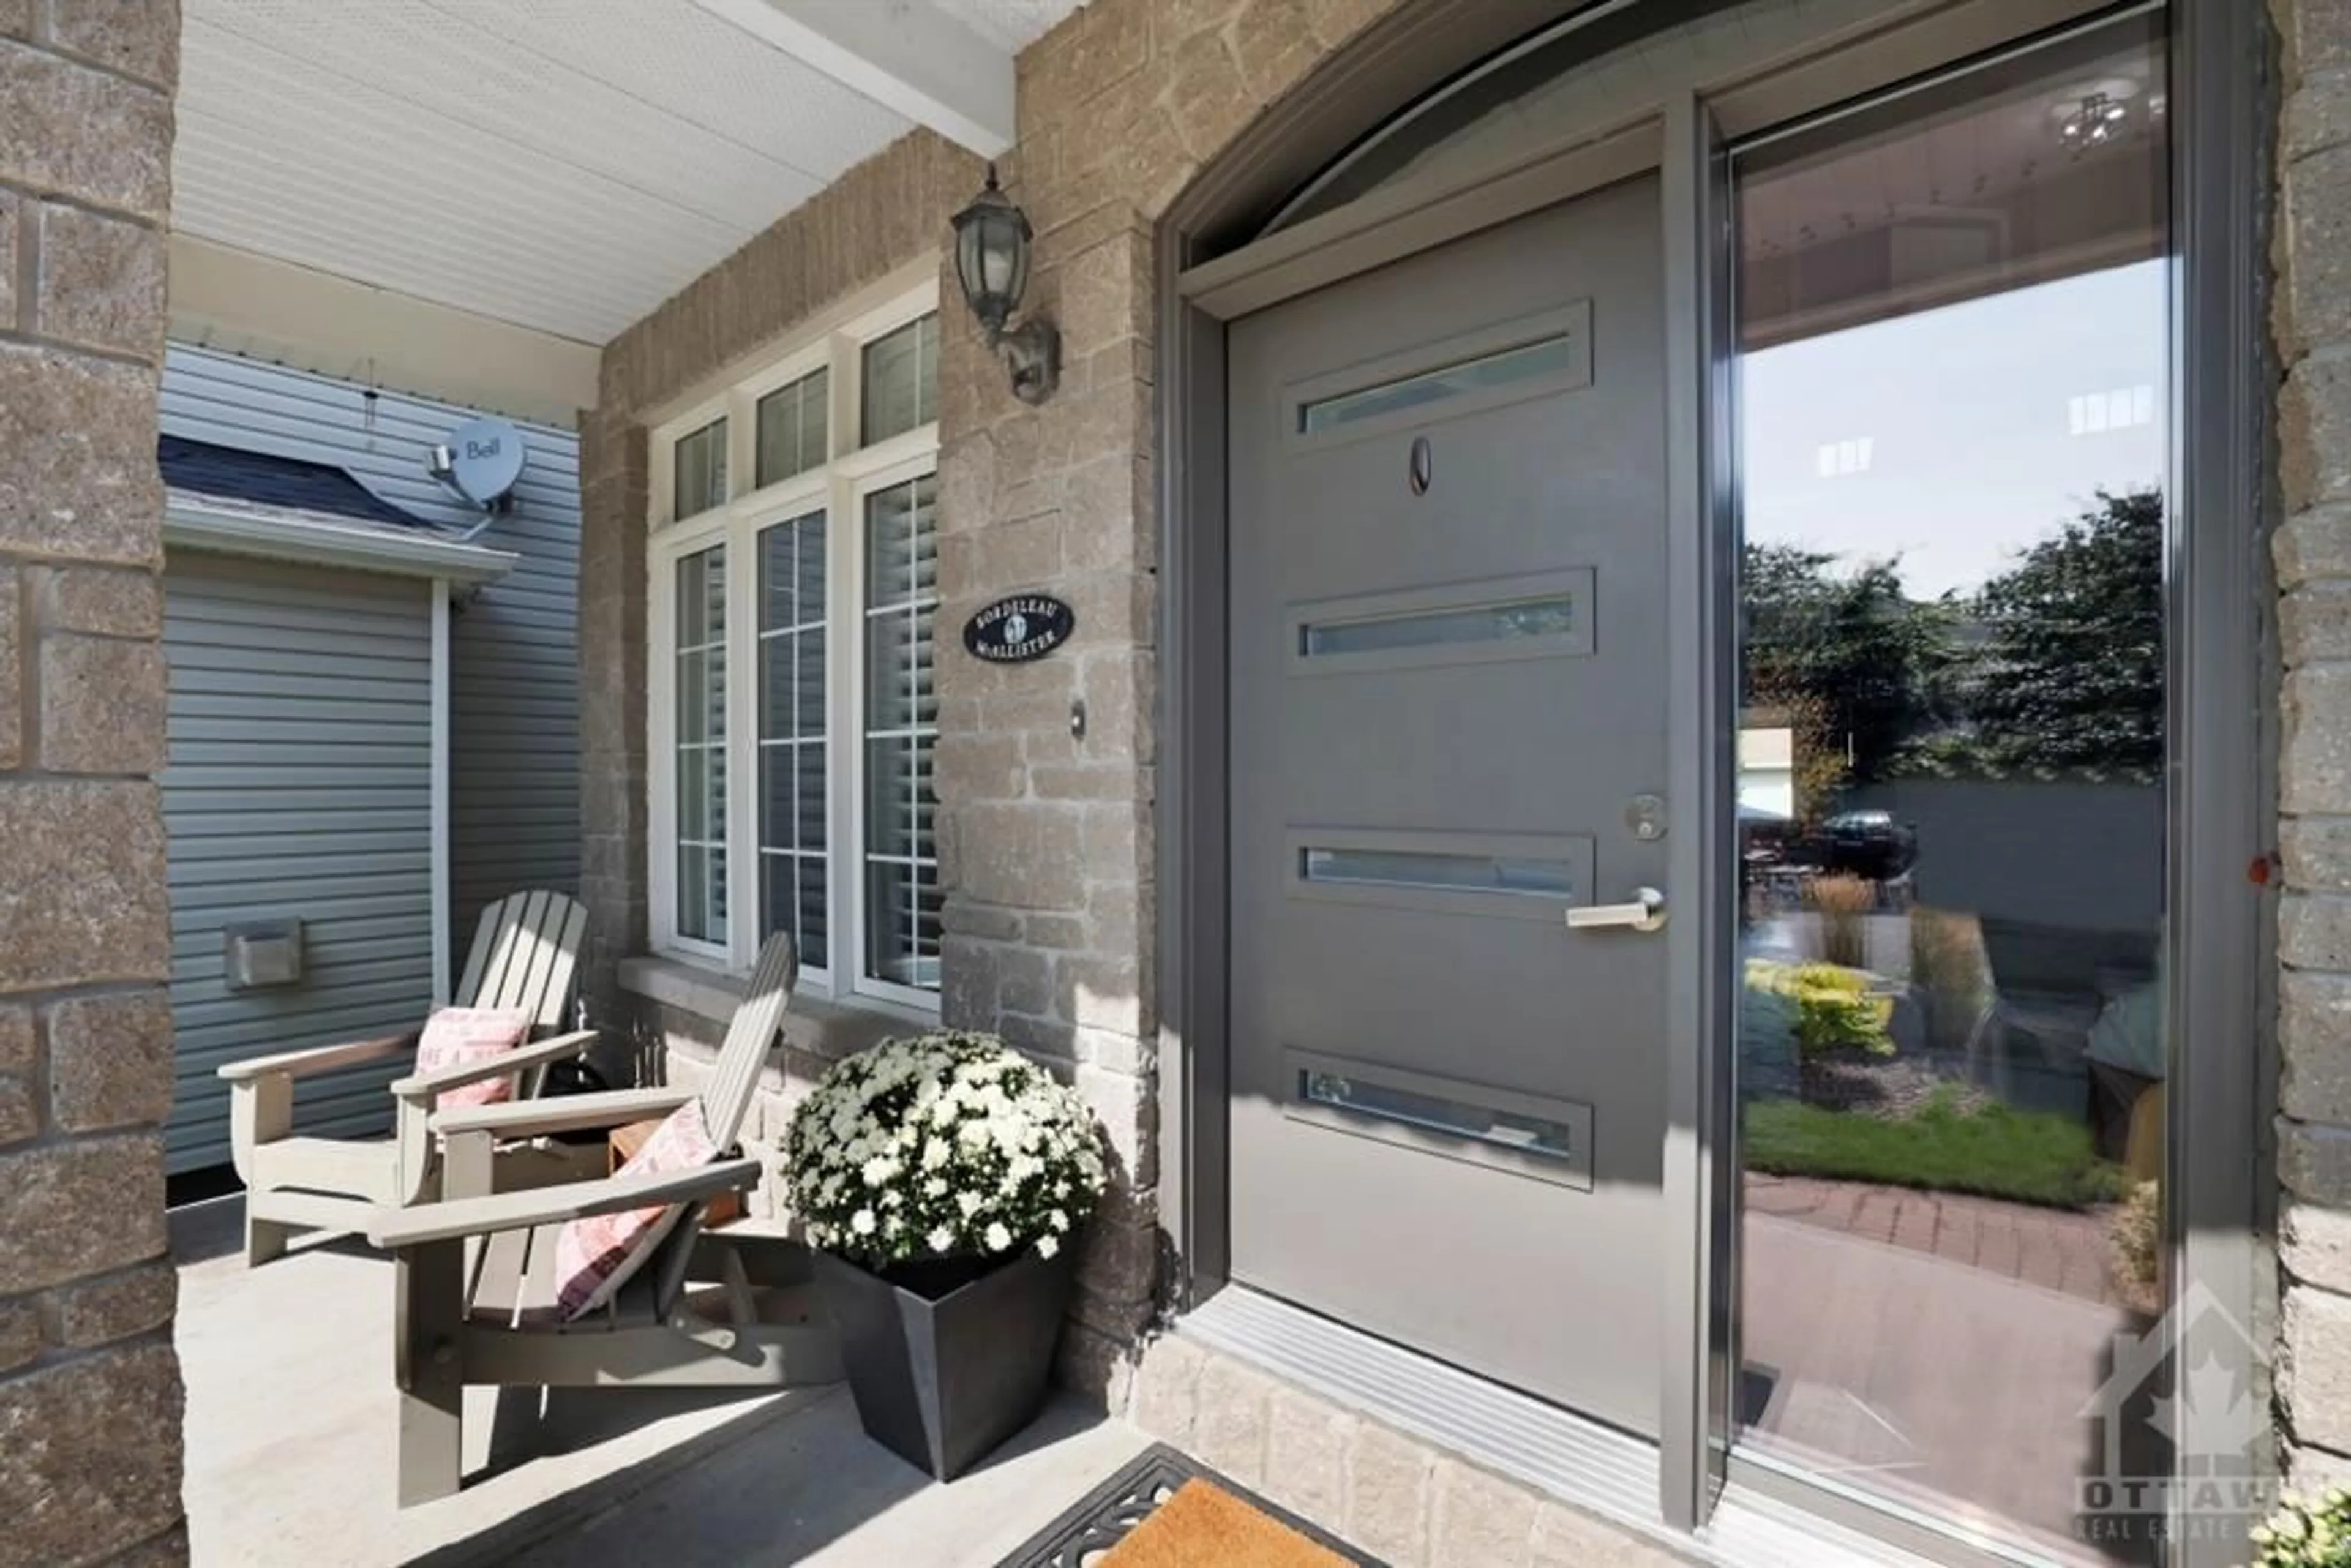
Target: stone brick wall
[89, 1385]
[1047, 840]
[2312, 553]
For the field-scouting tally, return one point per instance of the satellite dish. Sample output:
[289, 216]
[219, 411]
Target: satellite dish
[483, 460]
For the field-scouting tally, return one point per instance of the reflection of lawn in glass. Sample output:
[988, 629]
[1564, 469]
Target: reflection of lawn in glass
[1991, 1151]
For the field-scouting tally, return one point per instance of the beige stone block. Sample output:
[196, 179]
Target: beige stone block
[17, 1045]
[90, 1455]
[101, 281]
[11, 205]
[87, 900]
[1233, 1405]
[2314, 219]
[166, 1550]
[1335, 22]
[2314, 759]
[139, 39]
[1478, 1521]
[1306, 1447]
[98, 600]
[2314, 1245]
[2312, 1470]
[2314, 433]
[1388, 1477]
[1100, 992]
[1205, 98]
[1023, 856]
[2315, 1162]
[1179, 19]
[1118, 1262]
[2316, 853]
[102, 705]
[2315, 623]
[2315, 1035]
[1130, 1120]
[2314, 1379]
[2314, 931]
[1115, 1051]
[15, 18]
[1096, 1366]
[99, 1311]
[2316, 35]
[1275, 44]
[13, 640]
[20, 1118]
[79, 1208]
[111, 1061]
[83, 133]
[1566, 1538]
[1166, 1388]
[77, 477]
[20, 1334]
[2313, 544]
[1106, 293]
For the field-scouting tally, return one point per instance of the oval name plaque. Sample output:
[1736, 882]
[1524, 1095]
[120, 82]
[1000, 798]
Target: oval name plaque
[1016, 629]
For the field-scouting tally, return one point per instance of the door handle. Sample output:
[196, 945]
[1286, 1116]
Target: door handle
[1645, 912]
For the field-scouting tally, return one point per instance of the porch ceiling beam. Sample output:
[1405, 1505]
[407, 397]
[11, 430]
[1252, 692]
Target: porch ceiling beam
[245, 303]
[908, 57]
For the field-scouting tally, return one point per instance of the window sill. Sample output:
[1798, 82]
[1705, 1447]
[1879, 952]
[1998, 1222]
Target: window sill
[827, 1025]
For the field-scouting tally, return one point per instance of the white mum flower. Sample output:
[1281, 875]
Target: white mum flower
[1058, 1220]
[998, 1238]
[942, 1239]
[862, 1222]
[1047, 1246]
[968, 1202]
[879, 1170]
[936, 1154]
[936, 1187]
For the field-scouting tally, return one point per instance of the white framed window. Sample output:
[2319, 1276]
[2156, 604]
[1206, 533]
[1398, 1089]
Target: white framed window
[792, 599]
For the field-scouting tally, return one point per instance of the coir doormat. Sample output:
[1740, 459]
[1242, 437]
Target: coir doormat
[1164, 1511]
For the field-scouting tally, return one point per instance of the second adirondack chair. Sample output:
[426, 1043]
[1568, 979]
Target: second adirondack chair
[526, 955]
[474, 1288]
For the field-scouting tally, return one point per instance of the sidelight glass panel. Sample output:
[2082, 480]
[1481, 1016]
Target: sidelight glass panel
[792, 791]
[1451, 873]
[1553, 617]
[1953, 1051]
[699, 692]
[792, 428]
[698, 480]
[1544, 356]
[902, 900]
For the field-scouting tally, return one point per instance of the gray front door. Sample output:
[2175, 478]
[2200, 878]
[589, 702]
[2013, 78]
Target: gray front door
[1448, 686]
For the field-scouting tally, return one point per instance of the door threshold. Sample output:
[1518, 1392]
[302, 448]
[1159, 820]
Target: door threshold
[1582, 1462]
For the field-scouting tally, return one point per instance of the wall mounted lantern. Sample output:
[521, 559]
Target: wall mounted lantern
[992, 239]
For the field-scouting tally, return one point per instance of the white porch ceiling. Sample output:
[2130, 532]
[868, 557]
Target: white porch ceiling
[557, 165]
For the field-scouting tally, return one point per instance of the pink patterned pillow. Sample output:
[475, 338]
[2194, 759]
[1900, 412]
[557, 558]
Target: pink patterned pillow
[459, 1037]
[595, 1257]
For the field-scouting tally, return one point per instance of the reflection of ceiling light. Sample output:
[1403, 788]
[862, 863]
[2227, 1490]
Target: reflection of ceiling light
[2095, 121]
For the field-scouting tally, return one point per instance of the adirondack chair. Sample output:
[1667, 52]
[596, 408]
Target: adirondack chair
[475, 1281]
[526, 955]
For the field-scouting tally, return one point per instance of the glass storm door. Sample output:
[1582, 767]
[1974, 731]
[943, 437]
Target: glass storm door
[1951, 329]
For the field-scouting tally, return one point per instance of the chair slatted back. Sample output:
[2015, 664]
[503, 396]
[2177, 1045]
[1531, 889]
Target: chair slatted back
[526, 955]
[727, 1099]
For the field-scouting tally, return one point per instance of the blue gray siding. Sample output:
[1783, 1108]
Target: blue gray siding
[514, 784]
[298, 784]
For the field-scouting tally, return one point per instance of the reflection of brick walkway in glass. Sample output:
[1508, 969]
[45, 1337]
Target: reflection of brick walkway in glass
[2057, 1249]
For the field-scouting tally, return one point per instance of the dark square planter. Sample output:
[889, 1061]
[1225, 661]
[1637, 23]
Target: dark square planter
[942, 1381]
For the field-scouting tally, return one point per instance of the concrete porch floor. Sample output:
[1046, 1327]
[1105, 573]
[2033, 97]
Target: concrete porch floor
[289, 1448]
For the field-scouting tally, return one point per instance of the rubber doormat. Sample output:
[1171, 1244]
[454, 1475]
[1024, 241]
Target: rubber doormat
[1164, 1511]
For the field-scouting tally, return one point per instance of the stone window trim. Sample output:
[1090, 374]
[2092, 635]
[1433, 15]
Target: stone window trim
[837, 489]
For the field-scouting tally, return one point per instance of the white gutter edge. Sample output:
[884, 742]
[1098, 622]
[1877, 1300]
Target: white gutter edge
[439, 809]
[189, 524]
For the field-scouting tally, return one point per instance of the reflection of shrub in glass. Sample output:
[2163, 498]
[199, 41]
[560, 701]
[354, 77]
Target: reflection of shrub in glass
[1833, 1006]
[1946, 976]
[1842, 901]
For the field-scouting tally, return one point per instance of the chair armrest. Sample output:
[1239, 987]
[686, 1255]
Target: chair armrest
[468, 1217]
[316, 1059]
[423, 1086]
[562, 1112]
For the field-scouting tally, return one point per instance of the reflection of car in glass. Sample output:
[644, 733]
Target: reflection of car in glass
[1864, 843]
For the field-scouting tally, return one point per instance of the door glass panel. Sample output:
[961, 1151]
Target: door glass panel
[700, 745]
[1544, 356]
[792, 794]
[1398, 867]
[1480, 623]
[1952, 1048]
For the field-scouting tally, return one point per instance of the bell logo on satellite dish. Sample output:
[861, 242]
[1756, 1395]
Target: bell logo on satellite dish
[482, 461]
